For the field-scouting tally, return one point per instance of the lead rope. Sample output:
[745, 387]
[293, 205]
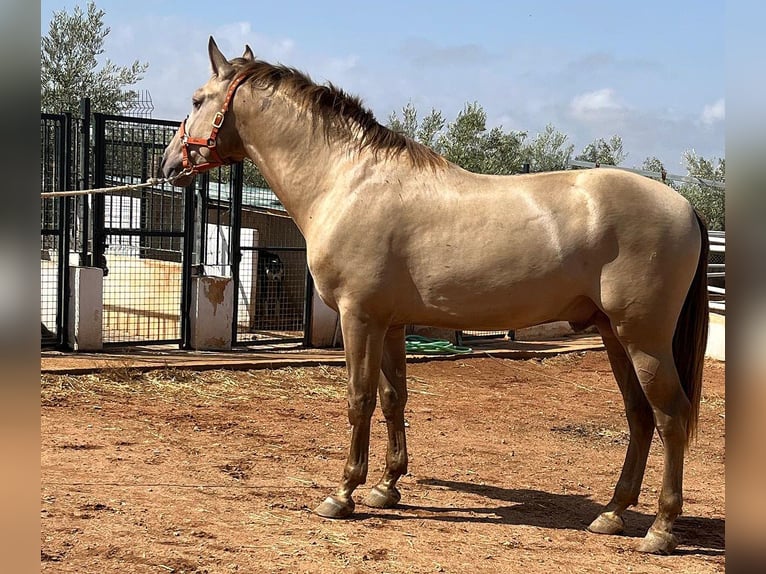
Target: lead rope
[151, 182]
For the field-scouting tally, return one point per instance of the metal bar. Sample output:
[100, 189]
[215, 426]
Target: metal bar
[716, 290]
[112, 344]
[142, 232]
[99, 203]
[145, 121]
[235, 219]
[84, 180]
[308, 310]
[65, 243]
[274, 248]
[186, 267]
[202, 217]
[274, 340]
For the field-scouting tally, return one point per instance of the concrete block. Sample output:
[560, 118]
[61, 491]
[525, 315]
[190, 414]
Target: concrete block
[86, 309]
[716, 339]
[211, 313]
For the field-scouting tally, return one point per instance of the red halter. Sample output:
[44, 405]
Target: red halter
[210, 143]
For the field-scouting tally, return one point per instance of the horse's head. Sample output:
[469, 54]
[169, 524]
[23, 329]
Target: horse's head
[208, 138]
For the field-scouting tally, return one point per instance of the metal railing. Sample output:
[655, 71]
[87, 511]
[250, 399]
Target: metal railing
[717, 271]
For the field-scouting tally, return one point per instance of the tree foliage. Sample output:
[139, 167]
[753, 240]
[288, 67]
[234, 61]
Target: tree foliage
[604, 152]
[69, 65]
[466, 141]
[709, 201]
[549, 151]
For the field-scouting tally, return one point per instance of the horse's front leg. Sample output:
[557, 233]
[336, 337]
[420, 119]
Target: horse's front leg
[363, 342]
[393, 398]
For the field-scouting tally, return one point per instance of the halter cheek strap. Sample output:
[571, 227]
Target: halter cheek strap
[210, 142]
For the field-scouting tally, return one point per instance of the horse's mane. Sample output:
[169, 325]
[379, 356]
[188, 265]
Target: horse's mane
[340, 112]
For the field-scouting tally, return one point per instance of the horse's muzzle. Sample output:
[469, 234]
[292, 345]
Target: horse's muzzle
[173, 168]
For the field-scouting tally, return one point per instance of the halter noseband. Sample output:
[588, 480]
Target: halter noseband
[211, 141]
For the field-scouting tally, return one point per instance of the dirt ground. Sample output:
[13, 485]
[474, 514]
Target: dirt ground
[176, 471]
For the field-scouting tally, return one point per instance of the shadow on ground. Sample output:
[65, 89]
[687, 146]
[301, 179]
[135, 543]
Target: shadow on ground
[697, 535]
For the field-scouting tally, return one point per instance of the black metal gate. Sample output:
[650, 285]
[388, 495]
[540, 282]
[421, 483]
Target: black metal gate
[56, 145]
[142, 239]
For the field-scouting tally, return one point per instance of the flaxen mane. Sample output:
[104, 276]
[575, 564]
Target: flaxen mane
[339, 112]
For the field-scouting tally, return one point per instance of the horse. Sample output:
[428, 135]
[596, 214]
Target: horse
[395, 235]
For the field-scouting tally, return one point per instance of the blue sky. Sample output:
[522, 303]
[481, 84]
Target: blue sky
[652, 72]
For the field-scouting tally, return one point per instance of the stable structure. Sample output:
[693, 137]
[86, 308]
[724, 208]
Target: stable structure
[152, 247]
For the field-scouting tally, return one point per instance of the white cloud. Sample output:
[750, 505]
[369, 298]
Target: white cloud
[591, 104]
[714, 112]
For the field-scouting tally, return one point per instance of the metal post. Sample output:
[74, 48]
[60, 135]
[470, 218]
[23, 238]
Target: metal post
[65, 226]
[187, 264]
[99, 203]
[84, 179]
[308, 310]
[235, 219]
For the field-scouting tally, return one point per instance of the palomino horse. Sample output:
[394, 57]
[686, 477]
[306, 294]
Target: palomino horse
[397, 235]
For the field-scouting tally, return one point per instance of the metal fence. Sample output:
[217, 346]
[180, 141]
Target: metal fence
[150, 242]
[138, 236]
[249, 236]
[54, 166]
[717, 271]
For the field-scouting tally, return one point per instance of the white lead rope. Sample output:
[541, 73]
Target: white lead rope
[151, 182]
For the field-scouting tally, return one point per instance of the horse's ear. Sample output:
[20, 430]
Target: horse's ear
[248, 55]
[218, 61]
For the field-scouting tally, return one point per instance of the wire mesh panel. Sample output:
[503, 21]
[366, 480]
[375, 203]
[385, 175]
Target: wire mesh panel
[138, 235]
[52, 173]
[272, 271]
[61, 219]
[249, 236]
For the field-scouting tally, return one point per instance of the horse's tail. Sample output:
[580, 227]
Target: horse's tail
[690, 338]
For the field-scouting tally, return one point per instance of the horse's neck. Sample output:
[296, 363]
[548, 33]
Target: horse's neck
[293, 155]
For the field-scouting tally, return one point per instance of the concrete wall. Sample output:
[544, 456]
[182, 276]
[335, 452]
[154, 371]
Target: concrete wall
[85, 309]
[716, 340]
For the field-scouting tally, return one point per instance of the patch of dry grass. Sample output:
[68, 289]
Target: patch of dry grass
[184, 384]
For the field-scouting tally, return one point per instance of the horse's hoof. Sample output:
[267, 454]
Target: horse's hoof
[333, 507]
[657, 542]
[380, 497]
[607, 523]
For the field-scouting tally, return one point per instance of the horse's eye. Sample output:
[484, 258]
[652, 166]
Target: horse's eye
[196, 103]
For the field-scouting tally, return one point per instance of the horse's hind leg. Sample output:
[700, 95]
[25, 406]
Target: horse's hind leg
[393, 398]
[363, 342]
[641, 426]
[657, 374]
[650, 349]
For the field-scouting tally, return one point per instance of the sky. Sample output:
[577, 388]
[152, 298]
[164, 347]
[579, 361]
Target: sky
[651, 72]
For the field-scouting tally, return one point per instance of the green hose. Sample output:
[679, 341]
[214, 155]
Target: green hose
[418, 345]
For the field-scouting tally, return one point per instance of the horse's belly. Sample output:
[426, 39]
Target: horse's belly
[497, 305]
